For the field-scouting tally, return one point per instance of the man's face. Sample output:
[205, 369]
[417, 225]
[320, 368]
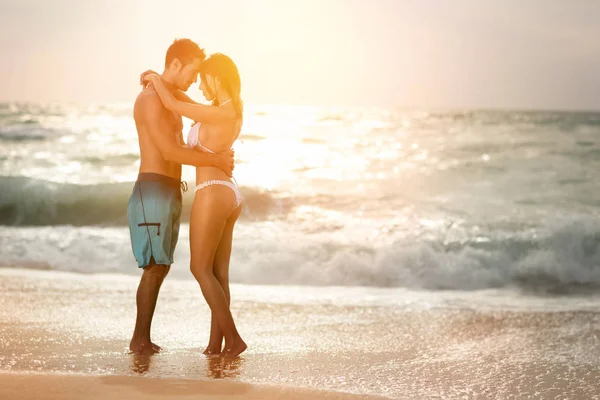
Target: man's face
[188, 74]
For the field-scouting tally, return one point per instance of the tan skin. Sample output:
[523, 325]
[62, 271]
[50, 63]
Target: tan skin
[214, 212]
[162, 152]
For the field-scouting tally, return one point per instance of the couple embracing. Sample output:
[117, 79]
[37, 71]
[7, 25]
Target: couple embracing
[155, 205]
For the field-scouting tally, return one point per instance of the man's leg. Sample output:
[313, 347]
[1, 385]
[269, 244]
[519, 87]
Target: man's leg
[147, 295]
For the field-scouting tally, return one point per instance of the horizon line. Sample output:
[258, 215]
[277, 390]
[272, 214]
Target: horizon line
[439, 108]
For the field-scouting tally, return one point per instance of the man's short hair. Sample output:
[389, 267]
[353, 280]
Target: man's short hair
[185, 50]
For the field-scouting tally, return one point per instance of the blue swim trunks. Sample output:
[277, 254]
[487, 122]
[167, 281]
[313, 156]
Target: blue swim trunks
[154, 213]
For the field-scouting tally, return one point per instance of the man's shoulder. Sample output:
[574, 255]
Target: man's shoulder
[148, 97]
[147, 101]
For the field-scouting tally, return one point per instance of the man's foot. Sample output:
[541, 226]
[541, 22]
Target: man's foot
[156, 347]
[238, 347]
[144, 347]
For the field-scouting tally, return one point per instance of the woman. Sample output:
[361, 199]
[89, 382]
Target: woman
[217, 203]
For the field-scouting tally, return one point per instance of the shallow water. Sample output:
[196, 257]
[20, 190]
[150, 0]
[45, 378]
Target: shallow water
[390, 342]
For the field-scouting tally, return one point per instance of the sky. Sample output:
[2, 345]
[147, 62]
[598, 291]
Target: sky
[532, 54]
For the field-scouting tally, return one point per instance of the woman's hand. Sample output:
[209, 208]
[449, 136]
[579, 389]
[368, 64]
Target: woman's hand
[145, 77]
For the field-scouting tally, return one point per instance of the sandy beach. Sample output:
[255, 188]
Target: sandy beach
[67, 387]
[65, 335]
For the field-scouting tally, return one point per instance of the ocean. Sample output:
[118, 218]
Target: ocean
[433, 200]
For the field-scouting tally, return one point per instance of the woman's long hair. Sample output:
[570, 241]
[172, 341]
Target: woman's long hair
[220, 66]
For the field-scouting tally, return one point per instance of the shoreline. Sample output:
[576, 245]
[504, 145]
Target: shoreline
[351, 342]
[46, 386]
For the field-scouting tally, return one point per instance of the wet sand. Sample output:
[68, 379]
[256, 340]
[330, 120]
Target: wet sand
[77, 387]
[69, 332]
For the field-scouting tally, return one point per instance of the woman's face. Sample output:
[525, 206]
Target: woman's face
[208, 86]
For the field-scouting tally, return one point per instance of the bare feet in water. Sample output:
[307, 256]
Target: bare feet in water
[212, 351]
[144, 347]
[238, 347]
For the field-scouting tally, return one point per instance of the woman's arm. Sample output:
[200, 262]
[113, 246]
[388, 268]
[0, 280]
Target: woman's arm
[181, 96]
[196, 112]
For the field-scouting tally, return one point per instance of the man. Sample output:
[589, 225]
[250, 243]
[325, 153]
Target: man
[154, 208]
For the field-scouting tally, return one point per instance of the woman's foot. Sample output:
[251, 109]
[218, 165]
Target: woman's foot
[237, 348]
[212, 351]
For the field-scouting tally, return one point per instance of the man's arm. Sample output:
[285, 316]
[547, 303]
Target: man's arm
[158, 129]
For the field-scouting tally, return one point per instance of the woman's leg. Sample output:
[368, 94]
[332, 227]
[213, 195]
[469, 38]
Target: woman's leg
[221, 272]
[210, 211]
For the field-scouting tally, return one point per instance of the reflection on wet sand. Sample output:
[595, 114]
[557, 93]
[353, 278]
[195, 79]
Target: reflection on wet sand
[221, 368]
[216, 367]
[140, 363]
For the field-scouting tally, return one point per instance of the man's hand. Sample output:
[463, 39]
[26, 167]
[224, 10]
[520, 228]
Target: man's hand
[143, 77]
[225, 162]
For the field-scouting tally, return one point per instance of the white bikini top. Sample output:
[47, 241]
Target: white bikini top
[193, 140]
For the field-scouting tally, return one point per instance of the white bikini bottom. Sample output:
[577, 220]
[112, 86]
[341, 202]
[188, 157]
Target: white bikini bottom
[232, 186]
